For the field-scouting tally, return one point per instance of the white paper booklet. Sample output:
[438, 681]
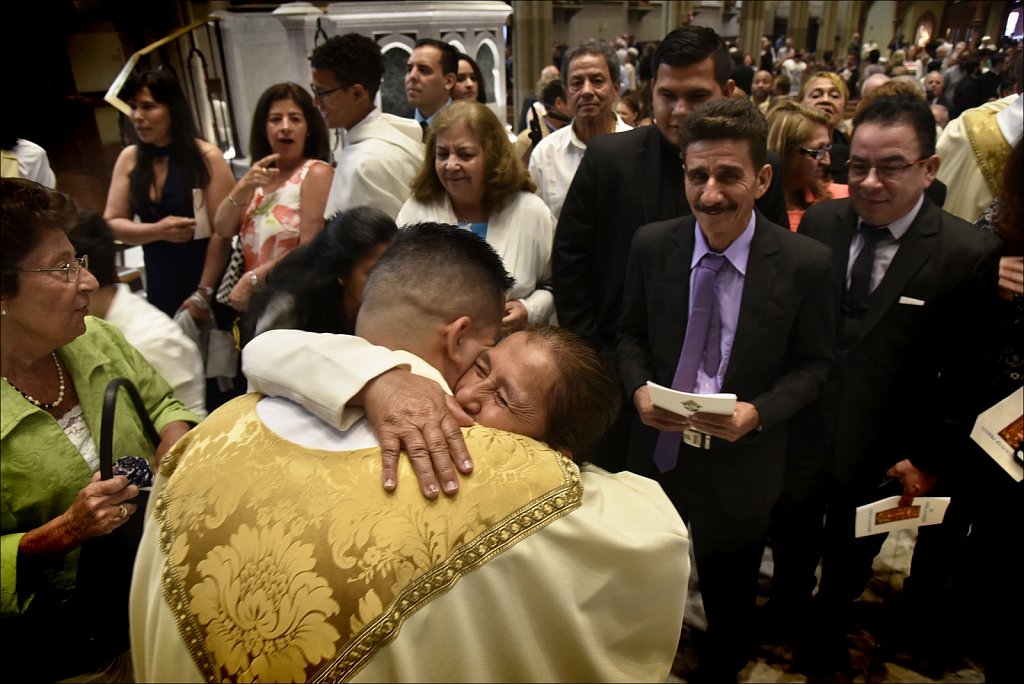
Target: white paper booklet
[999, 431]
[686, 403]
[202, 214]
[885, 515]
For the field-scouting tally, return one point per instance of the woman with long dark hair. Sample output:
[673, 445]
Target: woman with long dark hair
[469, 81]
[279, 203]
[154, 180]
[318, 287]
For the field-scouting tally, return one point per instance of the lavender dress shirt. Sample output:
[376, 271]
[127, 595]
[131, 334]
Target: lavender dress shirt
[728, 291]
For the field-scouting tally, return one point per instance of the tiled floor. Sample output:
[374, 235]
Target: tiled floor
[872, 660]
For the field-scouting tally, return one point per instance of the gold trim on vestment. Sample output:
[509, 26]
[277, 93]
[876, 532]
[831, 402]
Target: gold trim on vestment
[290, 563]
[990, 147]
[439, 580]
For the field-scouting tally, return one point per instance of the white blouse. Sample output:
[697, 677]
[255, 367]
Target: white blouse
[522, 234]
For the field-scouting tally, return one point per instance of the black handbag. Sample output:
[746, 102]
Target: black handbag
[233, 272]
[105, 565]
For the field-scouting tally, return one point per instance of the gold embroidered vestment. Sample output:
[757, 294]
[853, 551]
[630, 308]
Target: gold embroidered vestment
[287, 563]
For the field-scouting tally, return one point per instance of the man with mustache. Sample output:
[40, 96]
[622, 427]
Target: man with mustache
[627, 180]
[724, 301]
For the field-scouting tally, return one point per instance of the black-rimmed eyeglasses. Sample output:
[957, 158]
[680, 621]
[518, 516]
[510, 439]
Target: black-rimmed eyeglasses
[70, 269]
[321, 93]
[816, 154]
[858, 170]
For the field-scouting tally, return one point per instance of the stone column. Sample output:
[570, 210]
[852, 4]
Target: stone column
[799, 16]
[675, 13]
[828, 38]
[980, 22]
[752, 18]
[847, 25]
[532, 41]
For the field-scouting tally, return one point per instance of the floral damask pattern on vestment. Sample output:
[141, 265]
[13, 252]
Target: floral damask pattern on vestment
[285, 563]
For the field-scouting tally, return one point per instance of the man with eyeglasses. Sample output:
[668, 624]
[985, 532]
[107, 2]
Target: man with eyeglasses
[380, 152]
[915, 280]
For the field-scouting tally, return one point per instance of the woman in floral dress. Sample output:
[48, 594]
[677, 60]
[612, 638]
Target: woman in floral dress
[279, 203]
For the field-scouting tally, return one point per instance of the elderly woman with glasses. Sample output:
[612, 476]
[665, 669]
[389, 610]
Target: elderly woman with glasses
[802, 138]
[56, 363]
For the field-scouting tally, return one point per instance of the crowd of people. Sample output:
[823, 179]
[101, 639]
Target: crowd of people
[838, 244]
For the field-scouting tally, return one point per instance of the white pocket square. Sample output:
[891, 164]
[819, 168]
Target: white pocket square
[911, 301]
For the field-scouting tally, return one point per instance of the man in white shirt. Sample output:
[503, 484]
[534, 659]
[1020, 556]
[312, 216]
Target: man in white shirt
[380, 152]
[795, 67]
[591, 77]
[158, 338]
[25, 159]
[534, 572]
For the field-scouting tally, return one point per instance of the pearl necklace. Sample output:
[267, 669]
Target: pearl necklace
[60, 394]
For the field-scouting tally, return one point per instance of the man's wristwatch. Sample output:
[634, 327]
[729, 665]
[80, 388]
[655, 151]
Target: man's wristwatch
[254, 281]
[205, 290]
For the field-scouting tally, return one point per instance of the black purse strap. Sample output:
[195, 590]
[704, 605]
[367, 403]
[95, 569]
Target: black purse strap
[107, 423]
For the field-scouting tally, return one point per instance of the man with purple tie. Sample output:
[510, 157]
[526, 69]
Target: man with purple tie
[724, 301]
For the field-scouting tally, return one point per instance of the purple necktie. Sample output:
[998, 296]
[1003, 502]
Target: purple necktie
[703, 341]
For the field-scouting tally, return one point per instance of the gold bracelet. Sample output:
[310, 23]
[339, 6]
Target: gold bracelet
[233, 202]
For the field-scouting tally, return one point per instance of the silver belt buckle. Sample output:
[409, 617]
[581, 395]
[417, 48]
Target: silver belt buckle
[697, 439]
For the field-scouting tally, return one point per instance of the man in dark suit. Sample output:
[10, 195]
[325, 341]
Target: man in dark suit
[627, 180]
[430, 75]
[773, 346]
[741, 74]
[916, 280]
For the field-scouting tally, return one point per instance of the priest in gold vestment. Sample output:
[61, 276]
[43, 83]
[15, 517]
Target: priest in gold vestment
[272, 553]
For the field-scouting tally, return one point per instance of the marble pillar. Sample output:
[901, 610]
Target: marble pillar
[532, 40]
[829, 38]
[752, 19]
[799, 17]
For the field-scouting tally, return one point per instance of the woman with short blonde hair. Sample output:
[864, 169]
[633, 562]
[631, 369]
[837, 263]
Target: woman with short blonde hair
[801, 136]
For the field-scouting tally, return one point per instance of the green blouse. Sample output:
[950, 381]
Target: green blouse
[41, 472]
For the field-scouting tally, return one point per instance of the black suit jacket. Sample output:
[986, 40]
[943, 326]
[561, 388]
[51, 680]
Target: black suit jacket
[899, 390]
[782, 353]
[624, 181]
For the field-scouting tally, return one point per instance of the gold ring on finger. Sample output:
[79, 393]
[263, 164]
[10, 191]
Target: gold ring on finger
[122, 511]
